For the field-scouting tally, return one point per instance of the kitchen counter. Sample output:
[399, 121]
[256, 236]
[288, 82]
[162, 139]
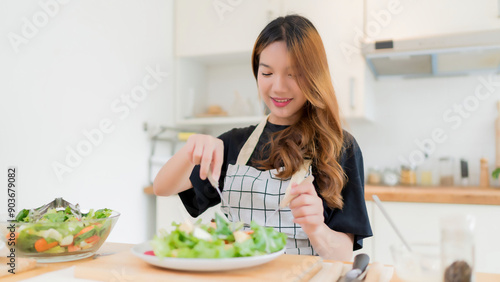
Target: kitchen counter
[426, 194]
[123, 253]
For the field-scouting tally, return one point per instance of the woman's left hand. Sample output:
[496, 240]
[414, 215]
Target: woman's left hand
[307, 206]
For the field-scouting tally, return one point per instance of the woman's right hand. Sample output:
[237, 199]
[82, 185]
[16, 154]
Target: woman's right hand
[206, 151]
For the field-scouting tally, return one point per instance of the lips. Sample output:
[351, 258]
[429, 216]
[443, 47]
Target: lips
[281, 102]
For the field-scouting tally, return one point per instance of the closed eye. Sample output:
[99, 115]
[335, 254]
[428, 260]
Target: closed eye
[266, 74]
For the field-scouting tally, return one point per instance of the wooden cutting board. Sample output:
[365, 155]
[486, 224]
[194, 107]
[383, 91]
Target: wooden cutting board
[21, 265]
[124, 266]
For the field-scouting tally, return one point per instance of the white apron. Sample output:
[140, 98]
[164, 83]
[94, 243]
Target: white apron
[253, 194]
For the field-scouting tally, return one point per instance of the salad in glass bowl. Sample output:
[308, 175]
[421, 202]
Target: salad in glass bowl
[59, 235]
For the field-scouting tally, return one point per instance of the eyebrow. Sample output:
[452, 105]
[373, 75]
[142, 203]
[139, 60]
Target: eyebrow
[267, 66]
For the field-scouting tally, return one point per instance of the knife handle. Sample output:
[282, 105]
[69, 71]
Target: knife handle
[361, 262]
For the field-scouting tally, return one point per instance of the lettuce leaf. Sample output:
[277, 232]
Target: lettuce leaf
[267, 239]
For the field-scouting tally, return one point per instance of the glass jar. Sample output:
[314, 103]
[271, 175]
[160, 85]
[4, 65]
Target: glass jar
[390, 176]
[446, 175]
[374, 176]
[426, 174]
[408, 176]
[457, 247]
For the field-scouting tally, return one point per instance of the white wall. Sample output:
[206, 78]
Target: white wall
[63, 81]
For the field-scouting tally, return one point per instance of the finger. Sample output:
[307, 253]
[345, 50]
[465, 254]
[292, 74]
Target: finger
[309, 220]
[197, 152]
[303, 200]
[190, 145]
[305, 211]
[306, 187]
[206, 160]
[217, 159]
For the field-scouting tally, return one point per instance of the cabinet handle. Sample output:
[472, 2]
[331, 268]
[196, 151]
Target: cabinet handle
[352, 100]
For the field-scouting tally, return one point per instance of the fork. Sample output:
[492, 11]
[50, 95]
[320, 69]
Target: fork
[215, 184]
[37, 213]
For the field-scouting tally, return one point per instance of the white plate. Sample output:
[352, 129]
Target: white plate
[202, 264]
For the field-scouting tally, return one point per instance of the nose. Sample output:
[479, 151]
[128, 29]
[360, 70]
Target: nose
[279, 84]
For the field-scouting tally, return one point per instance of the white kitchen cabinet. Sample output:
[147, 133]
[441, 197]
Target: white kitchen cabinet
[214, 53]
[336, 22]
[211, 27]
[407, 19]
[225, 81]
[419, 222]
[214, 41]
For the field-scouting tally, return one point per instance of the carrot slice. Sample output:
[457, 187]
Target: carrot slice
[92, 239]
[41, 245]
[73, 248]
[85, 230]
[249, 232]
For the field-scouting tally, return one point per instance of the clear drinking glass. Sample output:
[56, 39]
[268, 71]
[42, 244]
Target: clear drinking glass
[457, 247]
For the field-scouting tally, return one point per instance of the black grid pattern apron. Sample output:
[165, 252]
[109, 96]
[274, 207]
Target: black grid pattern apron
[254, 194]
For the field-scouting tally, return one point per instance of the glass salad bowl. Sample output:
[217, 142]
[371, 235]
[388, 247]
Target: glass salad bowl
[59, 236]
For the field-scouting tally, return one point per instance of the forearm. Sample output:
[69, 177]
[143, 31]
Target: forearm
[173, 177]
[330, 244]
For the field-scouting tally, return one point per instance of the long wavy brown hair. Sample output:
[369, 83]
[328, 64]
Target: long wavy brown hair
[318, 134]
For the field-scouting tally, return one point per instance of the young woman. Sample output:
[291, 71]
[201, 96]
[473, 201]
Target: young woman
[301, 136]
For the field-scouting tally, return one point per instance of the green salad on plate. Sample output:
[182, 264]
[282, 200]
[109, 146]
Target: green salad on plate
[218, 239]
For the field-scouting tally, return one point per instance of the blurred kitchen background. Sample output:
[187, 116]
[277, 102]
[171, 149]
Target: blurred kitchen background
[97, 95]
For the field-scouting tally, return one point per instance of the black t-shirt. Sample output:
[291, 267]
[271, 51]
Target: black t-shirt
[353, 218]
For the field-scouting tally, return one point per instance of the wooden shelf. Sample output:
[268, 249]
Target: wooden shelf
[435, 194]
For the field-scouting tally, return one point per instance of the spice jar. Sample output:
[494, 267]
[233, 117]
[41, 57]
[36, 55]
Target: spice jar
[408, 176]
[374, 176]
[484, 175]
[446, 174]
[425, 173]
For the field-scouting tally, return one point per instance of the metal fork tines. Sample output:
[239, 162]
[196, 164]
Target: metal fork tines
[37, 213]
[215, 184]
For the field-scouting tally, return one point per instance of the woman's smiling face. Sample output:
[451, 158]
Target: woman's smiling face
[277, 83]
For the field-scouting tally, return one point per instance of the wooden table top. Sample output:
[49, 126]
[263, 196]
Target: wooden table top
[118, 247]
